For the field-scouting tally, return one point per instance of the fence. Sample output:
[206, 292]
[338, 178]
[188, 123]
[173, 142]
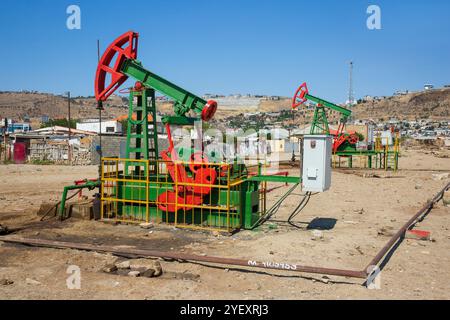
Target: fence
[195, 195]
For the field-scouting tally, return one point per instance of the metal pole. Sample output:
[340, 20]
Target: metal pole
[70, 131]
[5, 129]
[100, 108]
[411, 222]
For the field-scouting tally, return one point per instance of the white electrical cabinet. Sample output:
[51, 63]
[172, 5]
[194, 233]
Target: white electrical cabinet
[316, 175]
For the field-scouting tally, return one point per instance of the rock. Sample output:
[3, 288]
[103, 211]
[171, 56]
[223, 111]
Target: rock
[158, 269]
[440, 176]
[145, 264]
[149, 273]
[3, 230]
[146, 225]
[386, 231]
[446, 198]
[359, 211]
[134, 273]
[418, 186]
[123, 265]
[32, 281]
[317, 235]
[6, 282]
[325, 279]
[109, 268]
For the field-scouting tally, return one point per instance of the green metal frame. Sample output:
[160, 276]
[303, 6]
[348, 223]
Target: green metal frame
[185, 101]
[141, 142]
[320, 121]
[90, 185]
[346, 113]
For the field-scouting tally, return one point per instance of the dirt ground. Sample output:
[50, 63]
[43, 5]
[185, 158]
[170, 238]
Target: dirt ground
[417, 270]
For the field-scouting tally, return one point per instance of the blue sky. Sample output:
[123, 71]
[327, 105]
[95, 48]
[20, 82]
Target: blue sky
[246, 46]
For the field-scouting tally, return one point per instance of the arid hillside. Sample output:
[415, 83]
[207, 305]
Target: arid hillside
[433, 104]
[20, 105]
[17, 105]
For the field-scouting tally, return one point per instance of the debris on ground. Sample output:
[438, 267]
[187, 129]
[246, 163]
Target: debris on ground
[386, 231]
[135, 268]
[418, 235]
[146, 225]
[317, 235]
[134, 273]
[440, 176]
[123, 265]
[6, 282]
[109, 268]
[358, 248]
[32, 281]
[3, 230]
[446, 198]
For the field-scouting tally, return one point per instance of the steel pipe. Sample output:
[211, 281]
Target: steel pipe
[185, 257]
[238, 262]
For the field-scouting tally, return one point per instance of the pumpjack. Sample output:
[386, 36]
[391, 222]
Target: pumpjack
[341, 140]
[188, 187]
[379, 156]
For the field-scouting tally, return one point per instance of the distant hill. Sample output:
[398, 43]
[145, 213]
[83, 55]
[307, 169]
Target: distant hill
[17, 105]
[34, 105]
[434, 104]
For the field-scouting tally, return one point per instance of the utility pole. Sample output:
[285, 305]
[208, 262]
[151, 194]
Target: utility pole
[70, 131]
[5, 129]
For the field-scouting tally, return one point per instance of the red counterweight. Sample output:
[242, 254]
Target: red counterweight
[124, 47]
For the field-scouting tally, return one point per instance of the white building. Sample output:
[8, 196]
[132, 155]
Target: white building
[93, 125]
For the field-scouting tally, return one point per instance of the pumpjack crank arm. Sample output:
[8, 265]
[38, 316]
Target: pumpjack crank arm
[123, 52]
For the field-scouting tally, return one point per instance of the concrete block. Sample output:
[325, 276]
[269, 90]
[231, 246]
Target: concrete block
[82, 210]
[47, 208]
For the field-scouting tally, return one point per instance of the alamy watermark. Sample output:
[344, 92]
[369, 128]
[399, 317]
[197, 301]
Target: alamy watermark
[73, 282]
[73, 21]
[374, 20]
[374, 279]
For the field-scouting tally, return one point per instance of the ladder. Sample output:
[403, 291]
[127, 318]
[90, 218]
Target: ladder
[142, 141]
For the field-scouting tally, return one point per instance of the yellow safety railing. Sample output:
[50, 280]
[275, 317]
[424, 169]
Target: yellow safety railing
[132, 192]
[386, 156]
